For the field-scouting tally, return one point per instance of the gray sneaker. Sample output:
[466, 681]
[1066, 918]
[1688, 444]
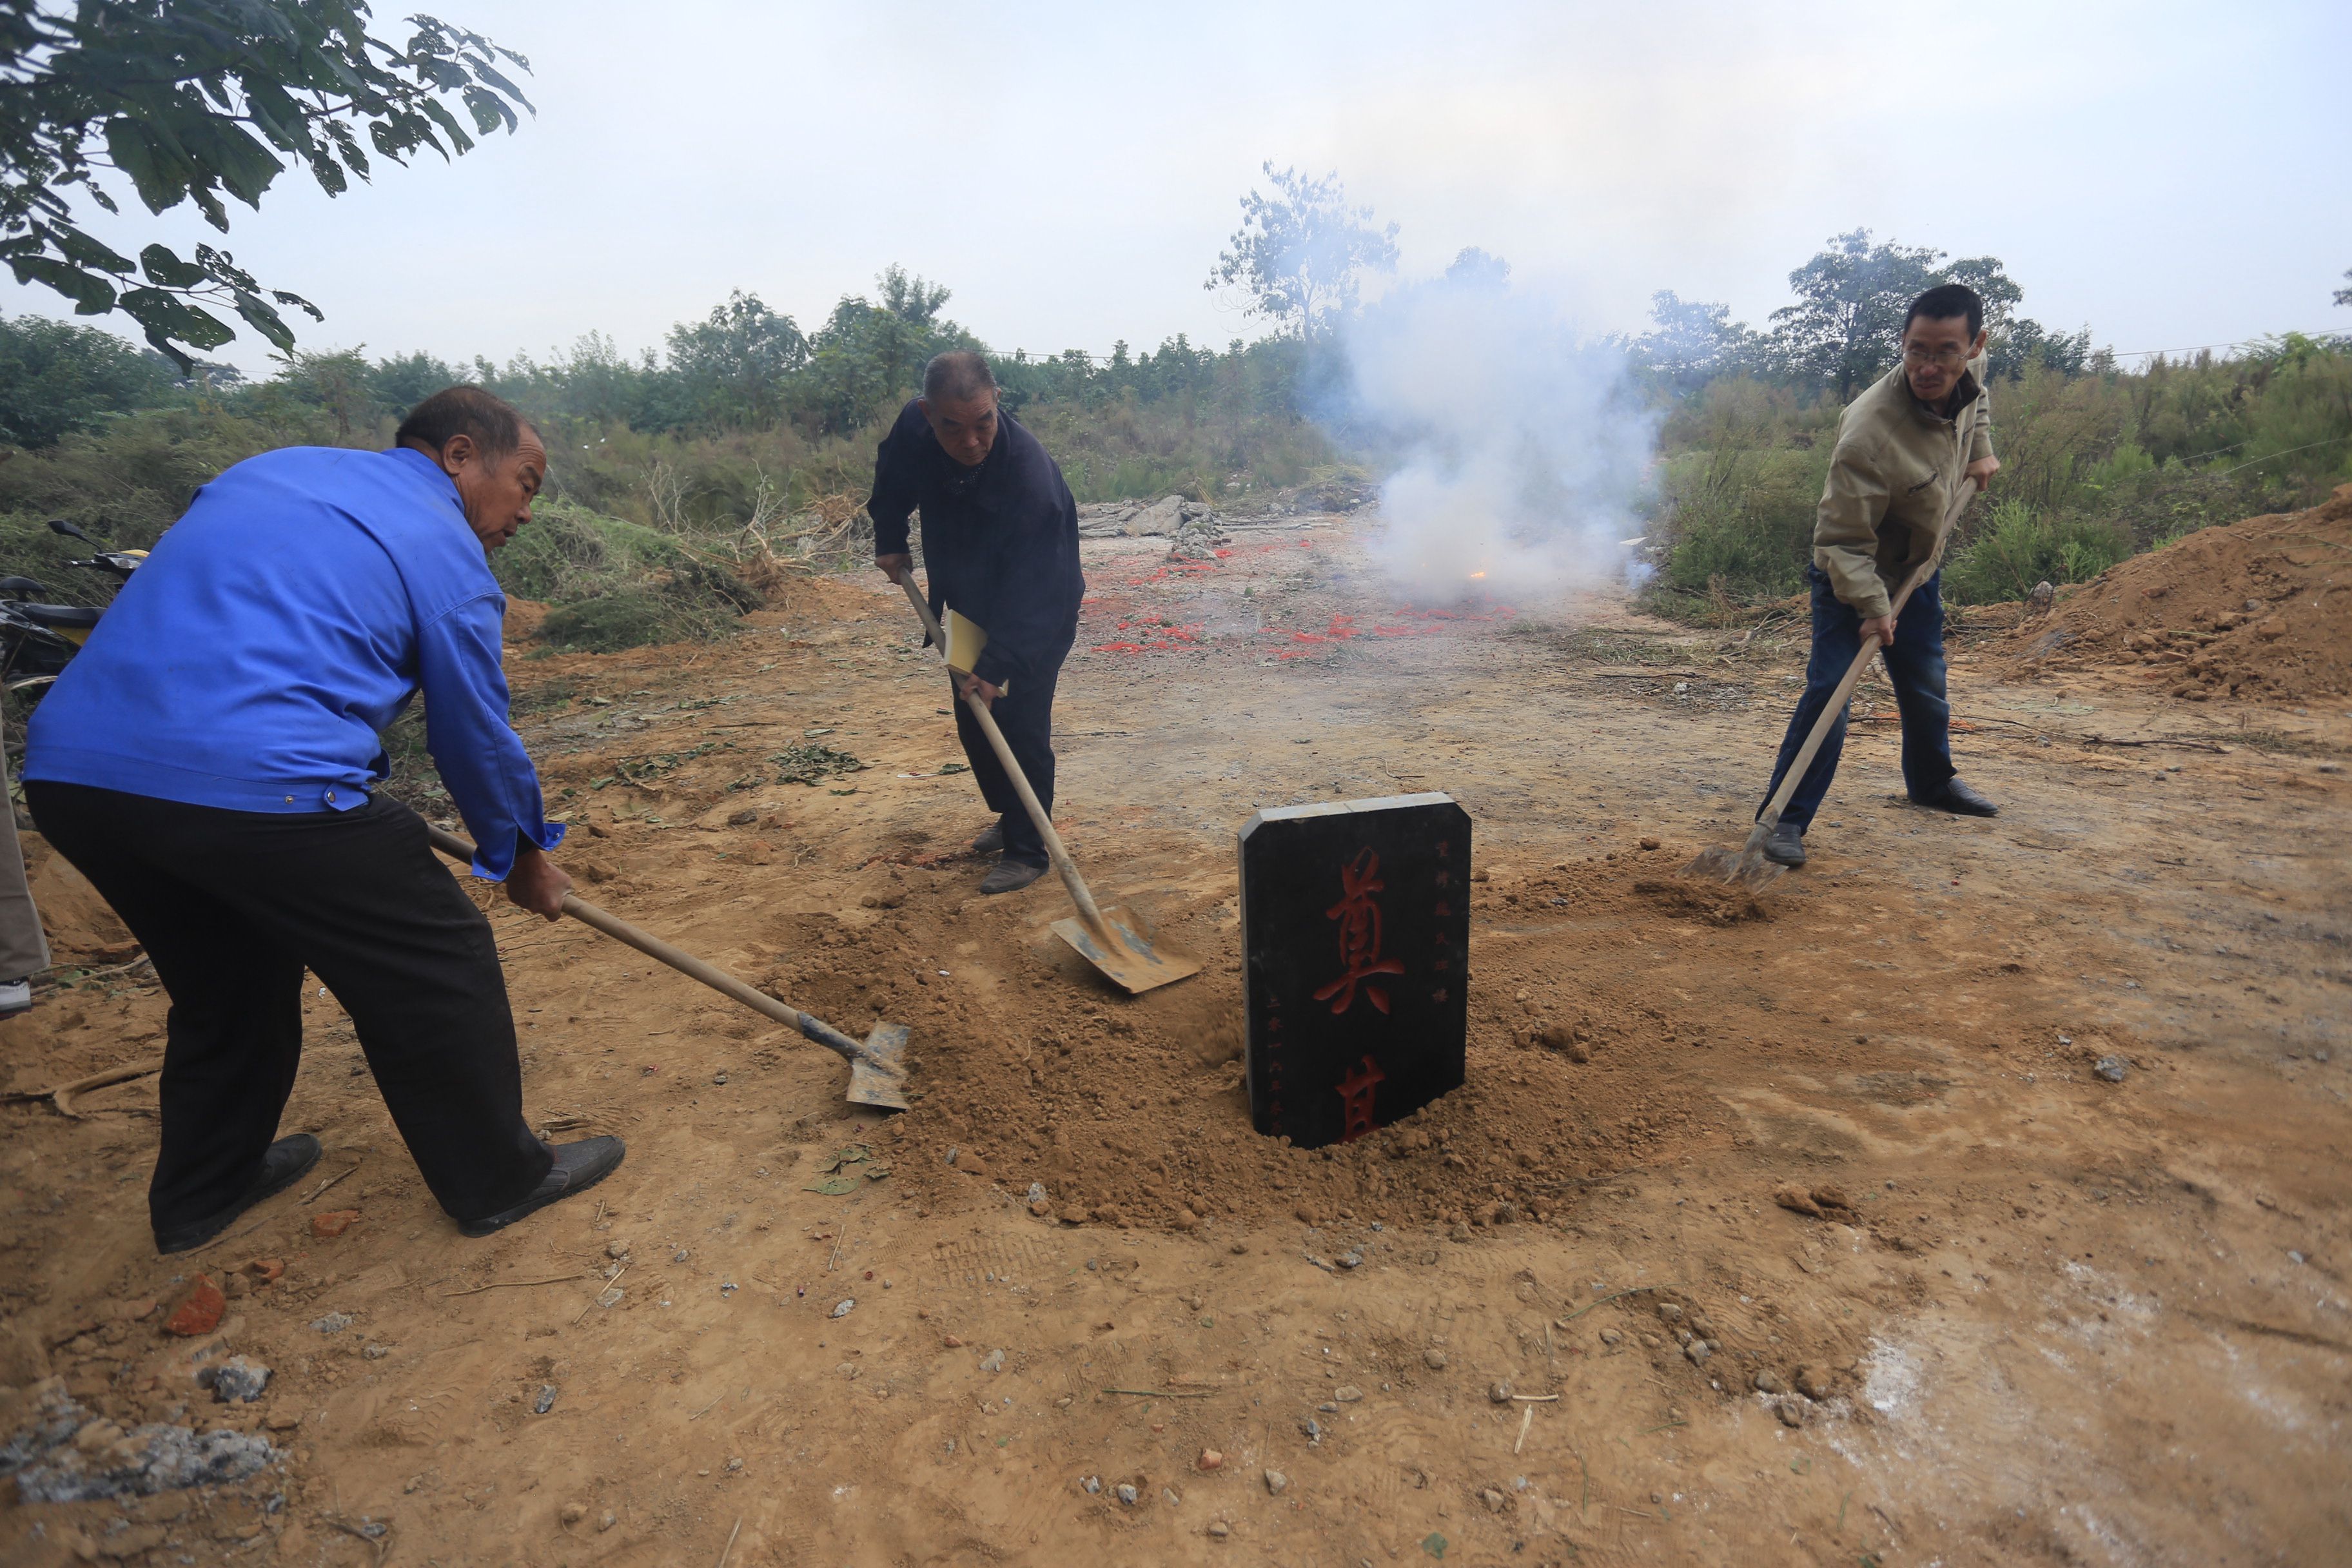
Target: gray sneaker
[1785, 844]
[1010, 877]
[15, 996]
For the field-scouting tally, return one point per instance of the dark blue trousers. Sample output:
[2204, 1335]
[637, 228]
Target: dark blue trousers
[1916, 667]
[1025, 715]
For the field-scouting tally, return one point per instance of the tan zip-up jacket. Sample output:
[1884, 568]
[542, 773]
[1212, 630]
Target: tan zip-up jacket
[1898, 466]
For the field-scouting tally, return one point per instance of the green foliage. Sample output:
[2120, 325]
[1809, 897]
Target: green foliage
[2018, 548]
[617, 584]
[57, 378]
[1738, 497]
[733, 365]
[198, 100]
[2094, 465]
[1848, 319]
[1299, 254]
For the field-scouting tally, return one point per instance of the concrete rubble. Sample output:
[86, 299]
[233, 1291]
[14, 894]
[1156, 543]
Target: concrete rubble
[65, 1455]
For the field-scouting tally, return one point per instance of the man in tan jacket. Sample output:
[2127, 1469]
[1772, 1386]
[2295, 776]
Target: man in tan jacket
[1905, 449]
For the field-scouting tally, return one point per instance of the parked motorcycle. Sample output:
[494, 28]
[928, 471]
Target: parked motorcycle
[38, 640]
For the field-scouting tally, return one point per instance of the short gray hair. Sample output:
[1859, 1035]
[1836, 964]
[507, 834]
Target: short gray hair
[958, 373]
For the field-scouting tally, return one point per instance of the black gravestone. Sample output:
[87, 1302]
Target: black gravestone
[1356, 932]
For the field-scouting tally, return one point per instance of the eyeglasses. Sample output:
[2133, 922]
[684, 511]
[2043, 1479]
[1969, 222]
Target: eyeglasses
[1920, 354]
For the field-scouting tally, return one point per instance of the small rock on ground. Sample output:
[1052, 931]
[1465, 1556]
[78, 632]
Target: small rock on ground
[236, 1381]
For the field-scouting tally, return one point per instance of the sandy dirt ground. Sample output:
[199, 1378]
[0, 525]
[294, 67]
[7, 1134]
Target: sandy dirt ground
[2035, 1314]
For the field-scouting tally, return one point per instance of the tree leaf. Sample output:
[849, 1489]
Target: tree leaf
[166, 269]
[327, 172]
[134, 152]
[91, 295]
[262, 318]
[300, 303]
[79, 248]
[175, 319]
[491, 110]
[448, 123]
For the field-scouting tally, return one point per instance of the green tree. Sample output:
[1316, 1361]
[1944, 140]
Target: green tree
[1845, 327]
[1299, 253]
[192, 100]
[870, 354]
[2343, 296]
[735, 363]
[1692, 341]
[400, 385]
[57, 378]
[1845, 330]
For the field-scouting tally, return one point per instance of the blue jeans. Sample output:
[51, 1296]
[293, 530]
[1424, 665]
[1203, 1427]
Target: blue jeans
[1916, 667]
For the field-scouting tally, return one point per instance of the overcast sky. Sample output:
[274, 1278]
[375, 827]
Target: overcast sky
[2170, 175]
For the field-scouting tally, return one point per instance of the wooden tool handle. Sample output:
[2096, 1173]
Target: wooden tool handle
[1044, 824]
[686, 964]
[1844, 692]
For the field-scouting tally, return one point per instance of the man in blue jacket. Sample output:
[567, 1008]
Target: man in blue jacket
[1000, 546]
[211, 761]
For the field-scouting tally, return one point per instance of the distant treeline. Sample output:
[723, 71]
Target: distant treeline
[746, 425]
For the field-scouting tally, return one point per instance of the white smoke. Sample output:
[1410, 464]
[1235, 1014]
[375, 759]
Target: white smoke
[1520, 447]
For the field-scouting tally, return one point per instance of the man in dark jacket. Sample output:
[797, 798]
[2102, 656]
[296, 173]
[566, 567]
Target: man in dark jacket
[212, 761]
[1001, 547]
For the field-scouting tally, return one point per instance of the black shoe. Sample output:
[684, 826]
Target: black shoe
[1785, 844]
[282, 1164]
[578, 1167]
[991, 842]
[1010, 876]
[1960, 801]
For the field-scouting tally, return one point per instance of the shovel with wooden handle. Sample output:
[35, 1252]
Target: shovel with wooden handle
[877, 1072]
[1748, 864]
[1120, 944]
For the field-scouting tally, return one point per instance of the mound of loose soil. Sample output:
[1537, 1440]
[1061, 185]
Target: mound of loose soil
[2256, 609]
[1105, 1103]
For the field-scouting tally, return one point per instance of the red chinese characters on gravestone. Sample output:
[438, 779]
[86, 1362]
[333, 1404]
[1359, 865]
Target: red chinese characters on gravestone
[1355, 1094]
[1358, 914]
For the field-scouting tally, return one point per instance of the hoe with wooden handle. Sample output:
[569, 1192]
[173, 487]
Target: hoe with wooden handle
[1748, 864]
[1120, 944]
[877, 1072]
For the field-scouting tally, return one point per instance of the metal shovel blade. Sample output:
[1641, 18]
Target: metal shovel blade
[1745, 866]
[877, 1074]
[1137, 960]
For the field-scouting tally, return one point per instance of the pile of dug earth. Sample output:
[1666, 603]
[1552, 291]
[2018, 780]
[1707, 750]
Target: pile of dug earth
[1136, 1115]
[2259, 610]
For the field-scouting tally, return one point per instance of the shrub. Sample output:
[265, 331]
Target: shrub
[1740, 520]
[614, 584]
[2018, 548]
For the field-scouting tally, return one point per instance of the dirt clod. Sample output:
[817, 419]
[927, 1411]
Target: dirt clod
[199, 1311]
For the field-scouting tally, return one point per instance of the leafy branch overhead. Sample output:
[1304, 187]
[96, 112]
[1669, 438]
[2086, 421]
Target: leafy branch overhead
[197, 100]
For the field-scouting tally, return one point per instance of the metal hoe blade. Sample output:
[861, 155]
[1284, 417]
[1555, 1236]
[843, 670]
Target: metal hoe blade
[1135, 959]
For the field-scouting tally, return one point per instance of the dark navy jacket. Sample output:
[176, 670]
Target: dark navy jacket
[999, 542]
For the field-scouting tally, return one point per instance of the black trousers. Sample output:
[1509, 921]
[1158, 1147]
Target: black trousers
[232, 906]
[1026, 714]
